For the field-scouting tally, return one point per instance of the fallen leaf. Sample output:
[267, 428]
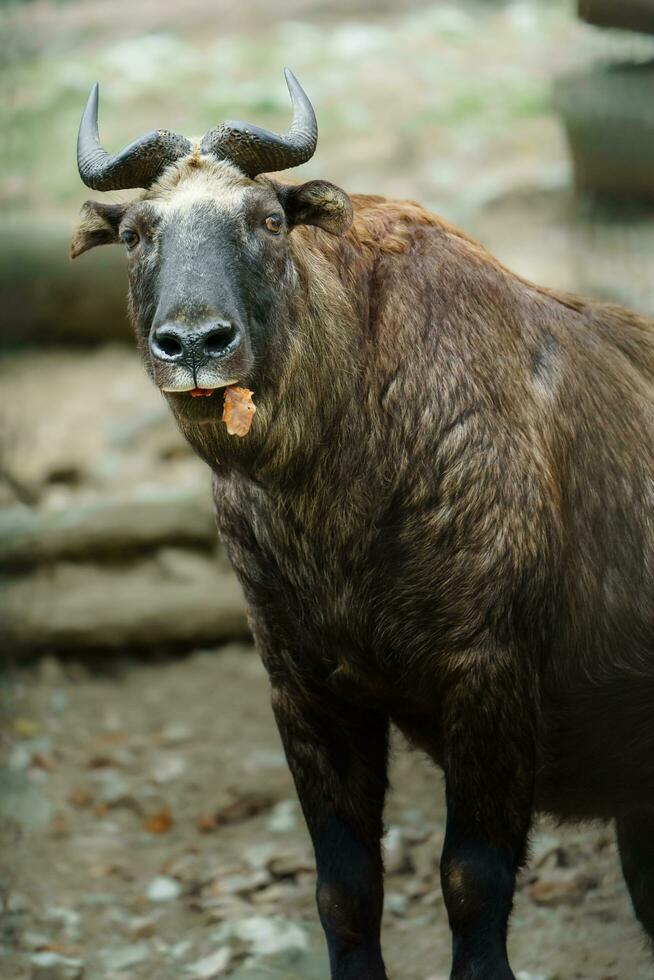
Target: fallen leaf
[206, 822]
[244, 807]
[159, 822]
[25, 728]
[238, 410]
[59, 826]
[101, 762]
[80, 797]
[562, 887]
[57, 948]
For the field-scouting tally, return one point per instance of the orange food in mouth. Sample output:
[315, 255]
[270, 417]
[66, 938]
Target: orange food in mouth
[201, 392]
[238, 410]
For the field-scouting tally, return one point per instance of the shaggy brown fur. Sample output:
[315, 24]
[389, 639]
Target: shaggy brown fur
[443, 517]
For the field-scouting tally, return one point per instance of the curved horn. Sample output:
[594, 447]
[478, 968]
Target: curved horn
[258, 151]
[137, 165]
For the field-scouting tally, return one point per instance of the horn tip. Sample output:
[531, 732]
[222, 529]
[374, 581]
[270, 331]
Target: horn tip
[93, 95]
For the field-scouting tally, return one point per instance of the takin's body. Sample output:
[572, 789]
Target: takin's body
[481, 499]
[442, 517]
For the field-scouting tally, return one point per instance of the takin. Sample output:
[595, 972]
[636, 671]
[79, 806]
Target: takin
[442, 514]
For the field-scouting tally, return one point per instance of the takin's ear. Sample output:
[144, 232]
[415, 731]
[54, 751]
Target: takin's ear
[317, 203]
[98, 226]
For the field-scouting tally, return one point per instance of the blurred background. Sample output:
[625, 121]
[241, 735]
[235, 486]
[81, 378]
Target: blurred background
[147, 821]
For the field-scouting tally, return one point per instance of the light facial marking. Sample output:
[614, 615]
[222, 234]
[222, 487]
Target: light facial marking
[199, 178]
[201, 221]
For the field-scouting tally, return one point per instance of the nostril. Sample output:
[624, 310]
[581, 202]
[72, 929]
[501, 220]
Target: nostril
[219, 339]
[167, 344]
[170, 346]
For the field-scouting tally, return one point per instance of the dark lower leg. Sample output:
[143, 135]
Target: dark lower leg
[635, 833]
[489, 775]
[478, 883]
[338, 759]
[350, 900]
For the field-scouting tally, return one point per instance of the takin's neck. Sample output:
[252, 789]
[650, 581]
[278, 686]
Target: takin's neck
[309, 397]
[323, 409]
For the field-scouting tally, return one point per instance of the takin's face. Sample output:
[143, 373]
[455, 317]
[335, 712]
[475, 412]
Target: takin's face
[210, 269]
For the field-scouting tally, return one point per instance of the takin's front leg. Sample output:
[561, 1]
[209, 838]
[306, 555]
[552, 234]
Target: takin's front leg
[338, 757]
[489, 775]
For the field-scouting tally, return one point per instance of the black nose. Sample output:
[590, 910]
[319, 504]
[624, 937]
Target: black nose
[174, 341]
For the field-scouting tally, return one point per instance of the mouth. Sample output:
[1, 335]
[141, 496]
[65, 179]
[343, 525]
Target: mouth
[195, 391]
[238, 407]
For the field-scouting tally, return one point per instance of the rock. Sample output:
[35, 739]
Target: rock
[415, 888]
[59, 701]
[396, 903]
[142, 604]
[180, 949]
[425, 859]
[220, 908]
[264, 759]
[24, 753]
[259, 855]
[526, 975]
[266, 936]
[142, 927]
[242, 884]
[114, 790]
[283, 818]
[167, 768]
[68, 918]
[175, 733]
[273, 897]
[211, 966]
[394, 850]
[163, 889]
[542, 846]
[20, 756]
[34, 940]
[290, 863]
[51, 672]
[127, 956]
[22, 801]
[271, 935]
[17, 903]
[292, 964]
[53, 966]
[433, 897]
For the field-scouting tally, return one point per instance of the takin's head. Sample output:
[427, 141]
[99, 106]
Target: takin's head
[208, 244]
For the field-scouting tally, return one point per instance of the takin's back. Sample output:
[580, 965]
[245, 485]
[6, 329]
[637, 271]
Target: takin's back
[505, 382]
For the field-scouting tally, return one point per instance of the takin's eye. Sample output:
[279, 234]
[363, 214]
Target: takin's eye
[274, 223]
[129, 238]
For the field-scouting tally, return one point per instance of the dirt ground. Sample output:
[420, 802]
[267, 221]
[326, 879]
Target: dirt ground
[148, 824]
[151, 831]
